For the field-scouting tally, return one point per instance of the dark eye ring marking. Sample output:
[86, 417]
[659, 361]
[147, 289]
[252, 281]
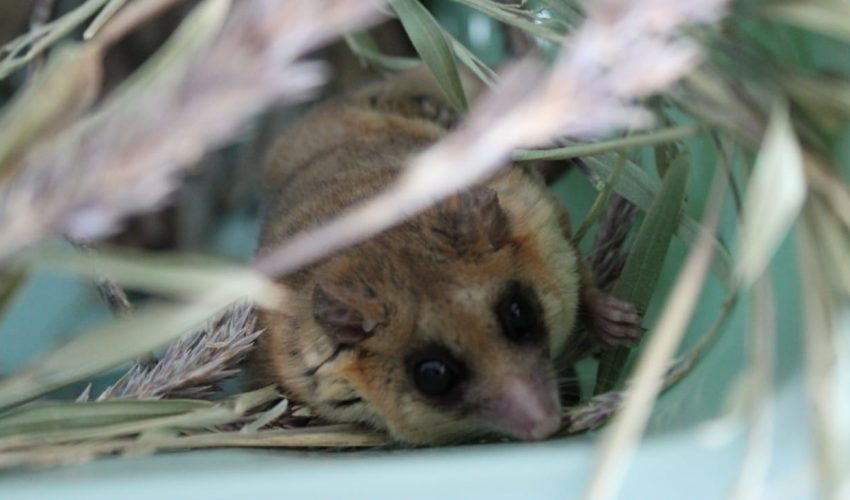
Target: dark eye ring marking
[520, 314]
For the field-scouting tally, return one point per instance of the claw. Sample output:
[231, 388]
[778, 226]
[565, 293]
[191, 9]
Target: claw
[614, 322]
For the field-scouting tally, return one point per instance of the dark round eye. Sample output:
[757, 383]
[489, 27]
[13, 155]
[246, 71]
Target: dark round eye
[434, 377]
[519, 314]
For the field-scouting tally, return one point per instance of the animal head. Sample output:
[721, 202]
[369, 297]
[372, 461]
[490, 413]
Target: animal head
[445, 327]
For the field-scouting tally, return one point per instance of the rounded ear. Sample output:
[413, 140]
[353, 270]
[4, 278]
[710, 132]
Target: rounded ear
[348, 312]
[473, 220]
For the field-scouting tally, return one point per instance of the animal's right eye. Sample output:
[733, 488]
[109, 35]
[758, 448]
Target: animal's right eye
[434, 377]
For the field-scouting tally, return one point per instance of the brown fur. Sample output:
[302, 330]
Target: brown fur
[354, 318]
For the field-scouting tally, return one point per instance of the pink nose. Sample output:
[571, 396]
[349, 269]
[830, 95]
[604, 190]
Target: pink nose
[526, 410]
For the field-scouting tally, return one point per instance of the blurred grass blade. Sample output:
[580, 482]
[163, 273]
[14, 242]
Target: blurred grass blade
[775, 195]
[194, 36]
[645, 260]
[428, 40]
[362, 45]
[108, 346]
[827, 17]
[184, 275]
[59, 94]
[50, 417]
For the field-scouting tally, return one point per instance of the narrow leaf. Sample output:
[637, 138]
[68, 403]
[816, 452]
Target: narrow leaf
[641, 189]
[646, 258]
[472, 62]
[428, 40]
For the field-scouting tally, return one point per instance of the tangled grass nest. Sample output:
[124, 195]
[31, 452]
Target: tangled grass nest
[81, 152]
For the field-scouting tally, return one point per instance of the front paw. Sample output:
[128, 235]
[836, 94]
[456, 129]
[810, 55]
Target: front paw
[613, 322]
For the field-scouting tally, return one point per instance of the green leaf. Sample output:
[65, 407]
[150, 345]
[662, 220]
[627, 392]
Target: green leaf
[427, 38]
[775, 195]
[646, 258]
[641, 189]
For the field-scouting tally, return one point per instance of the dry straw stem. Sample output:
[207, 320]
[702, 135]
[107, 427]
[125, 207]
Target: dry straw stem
[826, 364]
[621, 439]
[598, 410]
[212, 415]
[223, 66]
[27, 47]
[753, 473]
[625, 50]
[322, 437]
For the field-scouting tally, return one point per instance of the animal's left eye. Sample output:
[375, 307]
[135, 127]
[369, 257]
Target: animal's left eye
[519, 313]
